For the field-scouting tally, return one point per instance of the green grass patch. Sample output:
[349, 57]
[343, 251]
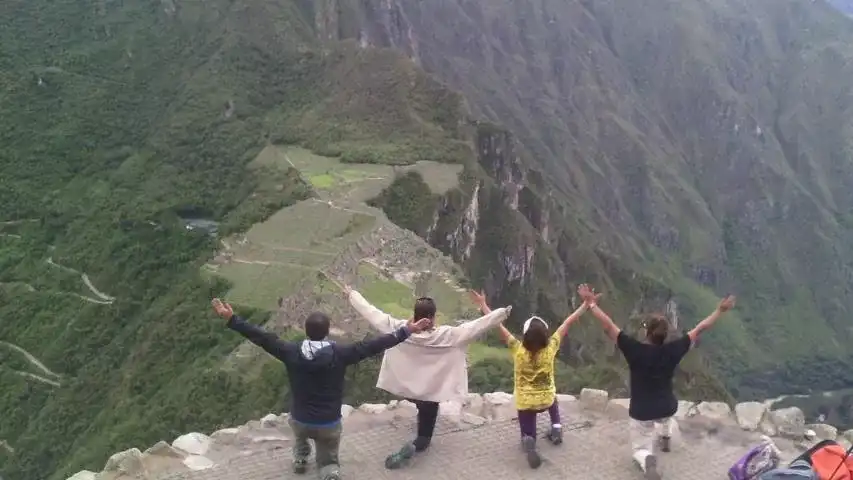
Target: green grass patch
[322, 181]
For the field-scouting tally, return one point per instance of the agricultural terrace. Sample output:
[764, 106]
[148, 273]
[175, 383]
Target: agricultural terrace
[275, 256]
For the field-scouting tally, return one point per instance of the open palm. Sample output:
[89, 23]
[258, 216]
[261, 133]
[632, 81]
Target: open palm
[224, 310]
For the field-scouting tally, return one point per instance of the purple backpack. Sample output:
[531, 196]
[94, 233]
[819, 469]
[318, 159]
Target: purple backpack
[759, 459]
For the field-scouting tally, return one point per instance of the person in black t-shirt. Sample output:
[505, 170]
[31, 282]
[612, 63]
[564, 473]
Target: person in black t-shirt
[652, 363]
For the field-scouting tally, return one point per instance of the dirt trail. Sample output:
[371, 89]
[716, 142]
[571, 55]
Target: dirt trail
[94, 290]
[32, 359]
[16, 222]
[331, 204]
[38, 378]
[261, 262]
[5, 445]
[104, 298]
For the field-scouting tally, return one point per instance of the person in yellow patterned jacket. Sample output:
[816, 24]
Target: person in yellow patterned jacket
[535, 390]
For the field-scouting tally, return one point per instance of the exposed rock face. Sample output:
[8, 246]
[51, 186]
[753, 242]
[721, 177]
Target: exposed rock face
[612, 97]
[474, 410]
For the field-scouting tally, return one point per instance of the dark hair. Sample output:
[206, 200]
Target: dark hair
[657, 329]
[536, 337]
[424, 308]
[317, 326]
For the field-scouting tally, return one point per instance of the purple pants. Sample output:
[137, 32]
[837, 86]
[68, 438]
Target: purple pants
[527, 419]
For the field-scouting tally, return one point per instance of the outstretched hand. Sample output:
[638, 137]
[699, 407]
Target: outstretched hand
[419, 326]
[727, 303]
[588, 294]
[479, 298]
[224, 310]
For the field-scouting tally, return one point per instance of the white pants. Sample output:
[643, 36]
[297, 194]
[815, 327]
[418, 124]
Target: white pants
[645, 436]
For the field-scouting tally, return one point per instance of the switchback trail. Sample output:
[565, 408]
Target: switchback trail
[104, 298]
[32, 359]
[38, 378]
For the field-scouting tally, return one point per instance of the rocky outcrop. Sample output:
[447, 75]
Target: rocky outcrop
[196, 451]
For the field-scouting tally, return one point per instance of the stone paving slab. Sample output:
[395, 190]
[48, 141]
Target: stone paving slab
[596, 449]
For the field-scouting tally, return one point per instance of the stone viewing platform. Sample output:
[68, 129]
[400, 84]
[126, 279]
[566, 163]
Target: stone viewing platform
[479, 439]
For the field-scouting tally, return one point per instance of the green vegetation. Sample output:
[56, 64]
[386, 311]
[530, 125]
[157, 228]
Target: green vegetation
[118, 123]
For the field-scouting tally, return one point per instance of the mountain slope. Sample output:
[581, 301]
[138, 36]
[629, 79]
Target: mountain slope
[705, 143]
[122, 126]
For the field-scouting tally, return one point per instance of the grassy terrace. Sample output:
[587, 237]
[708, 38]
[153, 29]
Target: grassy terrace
[274, 256]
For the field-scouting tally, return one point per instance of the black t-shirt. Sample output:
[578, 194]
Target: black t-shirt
[652, 369]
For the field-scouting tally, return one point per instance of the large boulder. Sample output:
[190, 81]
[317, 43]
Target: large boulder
[473, 404]
[789, 422]
[618, 407]
[226, 436]
[163, 449]
[198, 462]
[405, 409]
[373, 408]
[272, 420]
[450, 408]
[346, 410]
[715, 411]
[193, 443]
[685, 409]
[750, 414]
[499, 406]
[128, 462]
[83, 475]
[823, 431]
[593, 399]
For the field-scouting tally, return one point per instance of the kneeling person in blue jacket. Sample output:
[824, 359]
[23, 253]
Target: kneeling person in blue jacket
[315, 367]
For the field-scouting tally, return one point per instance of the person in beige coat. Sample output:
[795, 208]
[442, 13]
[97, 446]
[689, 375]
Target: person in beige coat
[438, 354]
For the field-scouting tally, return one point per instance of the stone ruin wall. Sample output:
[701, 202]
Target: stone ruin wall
[197, 451]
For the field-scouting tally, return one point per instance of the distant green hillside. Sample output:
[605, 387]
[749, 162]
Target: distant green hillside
[121, 125]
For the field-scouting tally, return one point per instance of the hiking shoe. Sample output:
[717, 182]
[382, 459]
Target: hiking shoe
[330, 472]
[664, 444]
[533, 458]
[400, 458]
[651, 468]
[300, 466]
[421, 444]
[555, 436]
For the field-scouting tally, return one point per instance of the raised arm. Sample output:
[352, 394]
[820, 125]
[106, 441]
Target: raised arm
[591, 299]
[359, 351]
[724, 306]
[255, 334]
[564, 327]
[466, 333]
[479, 299]
[380, 320]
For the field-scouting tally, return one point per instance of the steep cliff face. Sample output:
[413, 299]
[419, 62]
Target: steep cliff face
[706, 144]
